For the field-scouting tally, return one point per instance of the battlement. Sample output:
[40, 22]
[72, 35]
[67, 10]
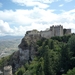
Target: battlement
[55, 26]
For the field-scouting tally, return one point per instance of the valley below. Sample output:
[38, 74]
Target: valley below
[9, 44]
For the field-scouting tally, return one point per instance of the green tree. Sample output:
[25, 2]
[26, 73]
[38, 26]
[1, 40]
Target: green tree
[70, 72]
[65, 57]
[71, 44]
[40, 68]
[20, 71]
[46, 61]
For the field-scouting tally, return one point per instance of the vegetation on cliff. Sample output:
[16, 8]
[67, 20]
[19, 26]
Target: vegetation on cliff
[54, 56]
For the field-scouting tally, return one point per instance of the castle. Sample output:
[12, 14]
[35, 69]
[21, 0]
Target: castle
[26, 47]
[51, 32]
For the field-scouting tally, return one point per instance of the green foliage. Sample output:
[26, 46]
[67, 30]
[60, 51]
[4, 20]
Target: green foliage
[20, 71]
[65, 57]
[36, 67]
[46, 61]
[64, 38]
[71, 44]
[40, 42]
[27, 72]
[4, 61]
[55, 57]
[70, 72]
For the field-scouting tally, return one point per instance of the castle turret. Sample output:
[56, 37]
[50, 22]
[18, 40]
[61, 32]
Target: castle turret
[8, 70]
[58, 30]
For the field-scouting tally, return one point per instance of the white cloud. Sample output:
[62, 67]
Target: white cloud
[68, 16]
[31, 3]
[24, 17]
[41, 1]
[5, 28]
[61, 5]
[38, 3]
[68, 0]
[21, 30]
[36, 18]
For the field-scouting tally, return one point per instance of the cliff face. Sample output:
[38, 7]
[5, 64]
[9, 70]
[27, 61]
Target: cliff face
[27, 50]
[27, 47]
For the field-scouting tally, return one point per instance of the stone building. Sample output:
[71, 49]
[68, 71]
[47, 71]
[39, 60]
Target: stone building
[56, 30]
[8, 70]
[32, 32]
[27, 45]
[46, 34]
[66, 31]
[53, 31]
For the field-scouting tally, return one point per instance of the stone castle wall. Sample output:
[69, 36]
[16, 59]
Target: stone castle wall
[68, 31]
[58, 31]
[46, 34]
[53, 31]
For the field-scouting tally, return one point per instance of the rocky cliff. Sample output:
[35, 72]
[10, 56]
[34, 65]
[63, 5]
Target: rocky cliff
[27, 49]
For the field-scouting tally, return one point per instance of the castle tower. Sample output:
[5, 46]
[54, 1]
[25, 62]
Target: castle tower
[58, 30]
[8, 70]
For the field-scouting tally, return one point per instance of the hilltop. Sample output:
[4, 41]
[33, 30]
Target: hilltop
[38, 48]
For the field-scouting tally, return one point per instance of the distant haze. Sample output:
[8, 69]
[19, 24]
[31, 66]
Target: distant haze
[9, 44]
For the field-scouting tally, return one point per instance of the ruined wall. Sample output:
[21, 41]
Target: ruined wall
[68, 31]
[8, 70]
[32, 32]
[46, 34]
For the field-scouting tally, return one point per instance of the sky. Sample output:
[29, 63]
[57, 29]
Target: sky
[19, 16]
